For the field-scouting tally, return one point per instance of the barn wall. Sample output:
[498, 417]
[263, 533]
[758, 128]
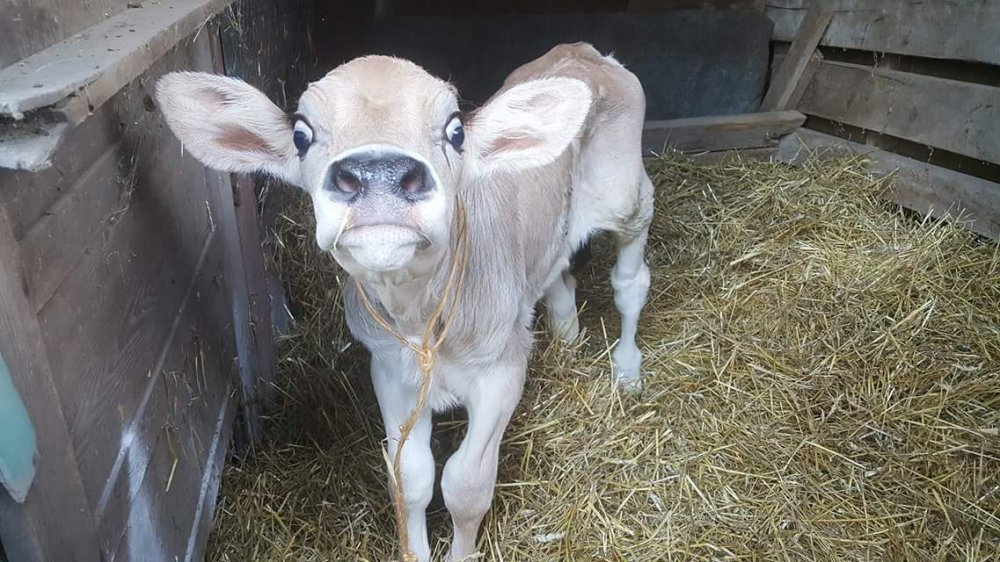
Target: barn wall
[128, 260]
[28, 26]
[919, 83]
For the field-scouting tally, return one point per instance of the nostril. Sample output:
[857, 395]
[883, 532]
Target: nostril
[346, 182]
[414, 180]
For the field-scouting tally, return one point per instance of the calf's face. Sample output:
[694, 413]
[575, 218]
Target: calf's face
[380, 146]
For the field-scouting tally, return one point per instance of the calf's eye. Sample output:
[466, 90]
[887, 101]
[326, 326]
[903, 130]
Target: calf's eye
[302, 136]
[454, 133]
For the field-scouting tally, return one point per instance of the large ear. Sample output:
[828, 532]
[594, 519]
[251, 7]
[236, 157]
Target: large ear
[530, 124]
[227, 124]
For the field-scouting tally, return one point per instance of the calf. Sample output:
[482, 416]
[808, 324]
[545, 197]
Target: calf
[380, 146]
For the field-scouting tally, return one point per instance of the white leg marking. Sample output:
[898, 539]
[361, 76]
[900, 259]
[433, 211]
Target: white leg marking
[470, 474]
[630, 279]
[396, 400]
[560, 298]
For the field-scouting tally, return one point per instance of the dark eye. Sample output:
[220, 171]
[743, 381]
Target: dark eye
[302, 136]
[454, 133]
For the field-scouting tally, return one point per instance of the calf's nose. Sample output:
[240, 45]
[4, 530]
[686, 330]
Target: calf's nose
[397, 174]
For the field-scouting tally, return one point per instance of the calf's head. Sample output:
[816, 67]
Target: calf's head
[380, 146]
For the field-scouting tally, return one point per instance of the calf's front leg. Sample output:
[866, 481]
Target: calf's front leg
[470, 475]
[396, 400]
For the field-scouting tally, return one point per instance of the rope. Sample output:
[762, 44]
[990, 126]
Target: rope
[426, 355]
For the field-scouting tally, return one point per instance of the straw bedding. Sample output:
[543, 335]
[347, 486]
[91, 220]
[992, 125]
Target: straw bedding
[822, 383]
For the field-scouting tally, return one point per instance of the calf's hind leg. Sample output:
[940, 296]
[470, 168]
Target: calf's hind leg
[560, 298]
[630, 280]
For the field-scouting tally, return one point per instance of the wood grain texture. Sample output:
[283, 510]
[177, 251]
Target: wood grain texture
[27, 195]
[79, 74]
[55, 521]
[28, 26]
[139, 329]
[60, 238]
[960, 117]
[916, 185]
[728, 132]
[943, 29]
[796, 62]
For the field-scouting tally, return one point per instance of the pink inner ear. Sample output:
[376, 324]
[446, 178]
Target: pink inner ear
[239, 139]
[212, 99]
[511, 144]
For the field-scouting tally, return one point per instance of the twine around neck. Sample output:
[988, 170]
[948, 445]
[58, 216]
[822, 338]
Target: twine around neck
[426, 355]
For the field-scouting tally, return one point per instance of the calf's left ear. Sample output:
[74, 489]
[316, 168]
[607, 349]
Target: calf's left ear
[228, 124]
[530, 124]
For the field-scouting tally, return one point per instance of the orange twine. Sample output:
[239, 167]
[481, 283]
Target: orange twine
[425, 354]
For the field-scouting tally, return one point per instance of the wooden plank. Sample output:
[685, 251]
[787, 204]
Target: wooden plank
[28, 26]
[960, 117]
[796, 63]
[947, 29]
[27, 195]
[812, 67]
[55, 521]
[54, 244]
[84, 71]
[916, 185]
[123, 317]
[727, 132]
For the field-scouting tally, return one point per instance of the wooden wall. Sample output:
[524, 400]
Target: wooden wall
[918, 84]
[28, 26]
[122, 266]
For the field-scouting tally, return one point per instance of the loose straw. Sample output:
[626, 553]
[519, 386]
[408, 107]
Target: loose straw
[426, 354]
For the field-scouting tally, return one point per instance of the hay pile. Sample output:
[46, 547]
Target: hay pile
[822, 383]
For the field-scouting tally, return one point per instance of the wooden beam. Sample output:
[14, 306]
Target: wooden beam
[963, 30]
[82, 72]
[916, 185]
[726, 132]
[960, 117]
[795, 66]
[55, 521]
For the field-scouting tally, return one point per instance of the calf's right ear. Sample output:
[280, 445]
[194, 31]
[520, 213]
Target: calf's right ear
[227, 124]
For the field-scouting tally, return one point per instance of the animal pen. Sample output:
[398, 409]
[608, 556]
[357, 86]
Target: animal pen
[822, 342]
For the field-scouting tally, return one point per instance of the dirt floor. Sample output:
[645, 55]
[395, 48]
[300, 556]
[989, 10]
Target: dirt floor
[822, 383]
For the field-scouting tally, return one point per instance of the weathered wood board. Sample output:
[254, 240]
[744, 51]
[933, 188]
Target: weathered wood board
[28, 26]
[131, 272]
[55, 521]
[728, 132]
[916, 185]
[943, 29]
[798, 65]
[960, 117]
[82, 72]
[691, 63]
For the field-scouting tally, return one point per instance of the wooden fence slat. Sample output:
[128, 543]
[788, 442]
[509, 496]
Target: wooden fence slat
[945, 29]
[796, 63]
[916, 185]
[725, 132]
[55, 521]
[54, 244]
[960, 117]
